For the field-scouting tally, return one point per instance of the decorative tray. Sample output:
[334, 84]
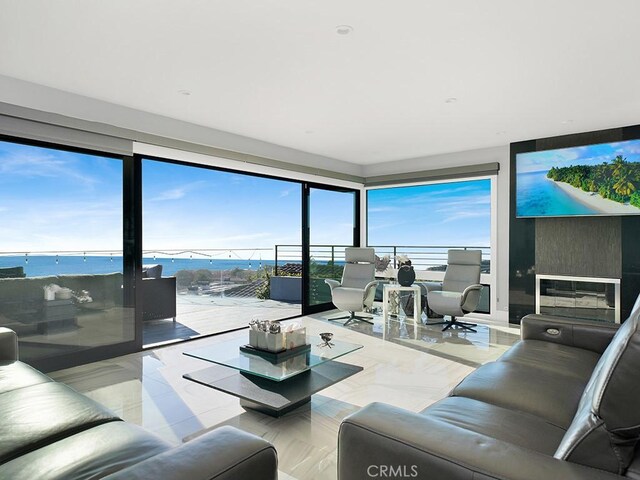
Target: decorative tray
[276, 357]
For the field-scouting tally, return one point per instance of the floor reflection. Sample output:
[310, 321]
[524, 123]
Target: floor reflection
[469, 348]
[147, 388]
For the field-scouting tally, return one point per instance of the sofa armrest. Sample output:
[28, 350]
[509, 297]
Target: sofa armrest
[471, 297]
[370, 293]
[8, 346]
[382, 439]
[370, 288]
[432, 286]
[586, 334]
[226, 453]
[332, 283]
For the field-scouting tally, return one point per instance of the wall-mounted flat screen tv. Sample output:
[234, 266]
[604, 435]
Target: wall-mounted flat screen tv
[602, 179]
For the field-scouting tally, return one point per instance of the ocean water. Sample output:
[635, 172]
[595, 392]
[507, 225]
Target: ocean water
[45, 265]
[537, 196]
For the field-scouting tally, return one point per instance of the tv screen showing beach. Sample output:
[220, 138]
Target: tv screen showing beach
[601, 179]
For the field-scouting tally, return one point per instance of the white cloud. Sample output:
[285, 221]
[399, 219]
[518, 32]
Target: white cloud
[242, 237]
[382, 209]
[178, 192]
[288, 191]
[464, 215]
[384, 226]
[173, 194]
[37, 163]
[452, 191]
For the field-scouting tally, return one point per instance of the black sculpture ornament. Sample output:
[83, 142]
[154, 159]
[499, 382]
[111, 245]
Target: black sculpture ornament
[406, 275]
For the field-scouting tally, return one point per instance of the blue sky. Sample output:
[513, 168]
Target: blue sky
[587, 155]
[448, 214]
[60, 201]
[198, 208]
[331, 217]
[202, 208]
[56, 200]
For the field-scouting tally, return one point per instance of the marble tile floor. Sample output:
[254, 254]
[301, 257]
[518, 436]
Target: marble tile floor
[487, 343]
[147, 388]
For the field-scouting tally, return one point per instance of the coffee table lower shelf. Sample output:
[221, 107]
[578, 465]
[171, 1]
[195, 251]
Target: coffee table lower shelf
[268, 396]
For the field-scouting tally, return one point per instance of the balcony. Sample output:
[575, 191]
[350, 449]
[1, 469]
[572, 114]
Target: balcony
[216, 290]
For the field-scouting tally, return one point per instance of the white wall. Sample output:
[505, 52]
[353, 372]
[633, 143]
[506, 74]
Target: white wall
[470, 157]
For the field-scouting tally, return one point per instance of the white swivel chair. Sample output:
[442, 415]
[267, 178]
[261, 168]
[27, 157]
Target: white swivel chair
[459, 293]
[358, 287]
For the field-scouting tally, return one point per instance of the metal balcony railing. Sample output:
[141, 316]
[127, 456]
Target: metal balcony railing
[423, 257]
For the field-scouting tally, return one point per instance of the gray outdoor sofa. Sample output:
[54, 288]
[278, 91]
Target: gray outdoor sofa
[49, 431]
[562, 403]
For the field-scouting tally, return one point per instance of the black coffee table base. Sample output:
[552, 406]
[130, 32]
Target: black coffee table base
[257, 407]
[270, 397]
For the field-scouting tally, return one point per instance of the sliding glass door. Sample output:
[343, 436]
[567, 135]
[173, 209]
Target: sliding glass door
[101, 254]
[223, 247]
[331, 226]
[62, 275]
[210, 242]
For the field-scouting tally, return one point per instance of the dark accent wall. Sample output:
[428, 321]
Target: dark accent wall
[522, 253]
[580, 246]
[576, 240]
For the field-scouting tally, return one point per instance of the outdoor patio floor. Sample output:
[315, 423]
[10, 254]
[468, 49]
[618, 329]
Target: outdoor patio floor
[205, 314]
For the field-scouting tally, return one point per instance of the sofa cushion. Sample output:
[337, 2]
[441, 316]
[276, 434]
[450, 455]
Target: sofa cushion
[554, 357]
[358, 275]
[19, 375]
[35, 416]
[552, 396]
[12, 272]
[152, 271]
[606, 428]
[634, 467]
[517, 428]
[105, 289]
[347, 298]
[24, 289]
[21, 299]
[92, 453]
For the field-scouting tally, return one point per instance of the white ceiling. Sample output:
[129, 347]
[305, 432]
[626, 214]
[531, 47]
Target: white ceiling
[277, 71]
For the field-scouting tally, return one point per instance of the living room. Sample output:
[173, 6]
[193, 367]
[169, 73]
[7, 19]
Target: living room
[119, 288]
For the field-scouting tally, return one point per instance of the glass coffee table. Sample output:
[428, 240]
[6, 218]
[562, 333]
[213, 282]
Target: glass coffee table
[272, 388]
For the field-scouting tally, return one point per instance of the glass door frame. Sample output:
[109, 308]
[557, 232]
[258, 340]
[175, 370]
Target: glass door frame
[306, 187]
[139, 158]
[129, 225]
[132, 244]
[307, 308]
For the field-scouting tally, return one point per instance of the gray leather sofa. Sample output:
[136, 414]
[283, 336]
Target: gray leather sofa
[48, 431]
[562, 403]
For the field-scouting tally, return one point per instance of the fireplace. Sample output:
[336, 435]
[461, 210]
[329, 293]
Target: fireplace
[579, 297]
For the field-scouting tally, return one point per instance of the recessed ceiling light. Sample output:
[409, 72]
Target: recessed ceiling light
[451, 100]
[186, 93]
[344, 29]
